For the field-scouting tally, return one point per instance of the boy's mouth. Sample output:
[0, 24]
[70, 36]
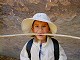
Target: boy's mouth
[40, 34]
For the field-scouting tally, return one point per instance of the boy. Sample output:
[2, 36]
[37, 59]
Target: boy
[42, 47]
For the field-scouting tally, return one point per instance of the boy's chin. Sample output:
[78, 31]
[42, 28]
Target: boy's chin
[41, 37]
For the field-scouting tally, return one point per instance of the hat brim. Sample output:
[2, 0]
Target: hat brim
[27, 25]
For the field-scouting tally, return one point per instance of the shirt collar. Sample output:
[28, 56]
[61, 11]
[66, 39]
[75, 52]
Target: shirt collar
[43, 44]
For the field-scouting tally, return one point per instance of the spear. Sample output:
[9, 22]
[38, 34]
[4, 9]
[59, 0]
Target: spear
[29, 34]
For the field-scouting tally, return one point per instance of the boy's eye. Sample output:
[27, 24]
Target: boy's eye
[36, 26]
[43, 26]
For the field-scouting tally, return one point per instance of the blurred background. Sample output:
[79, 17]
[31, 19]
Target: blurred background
[64, 13]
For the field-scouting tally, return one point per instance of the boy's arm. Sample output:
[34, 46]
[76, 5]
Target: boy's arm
[62, 54]
[23, 54]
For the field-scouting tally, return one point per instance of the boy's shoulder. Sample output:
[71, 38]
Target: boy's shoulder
[54, 40]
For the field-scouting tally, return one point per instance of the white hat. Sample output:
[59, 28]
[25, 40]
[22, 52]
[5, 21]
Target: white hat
[27, 23]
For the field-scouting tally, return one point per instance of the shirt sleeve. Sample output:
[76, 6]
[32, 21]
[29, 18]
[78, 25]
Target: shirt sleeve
[23, 54]
[62, 54]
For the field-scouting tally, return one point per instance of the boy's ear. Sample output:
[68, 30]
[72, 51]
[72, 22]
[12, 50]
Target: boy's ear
[50, 31]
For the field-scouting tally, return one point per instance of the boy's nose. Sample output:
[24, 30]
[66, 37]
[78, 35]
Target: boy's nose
[40, 30]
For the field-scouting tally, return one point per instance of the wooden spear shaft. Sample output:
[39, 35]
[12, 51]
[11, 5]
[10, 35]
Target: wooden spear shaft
[29, 34]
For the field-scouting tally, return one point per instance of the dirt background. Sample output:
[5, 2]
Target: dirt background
[64, 13]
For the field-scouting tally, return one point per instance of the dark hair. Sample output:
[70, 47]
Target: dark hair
[33, 22]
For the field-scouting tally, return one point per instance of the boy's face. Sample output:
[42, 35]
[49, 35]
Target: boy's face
[40, 27]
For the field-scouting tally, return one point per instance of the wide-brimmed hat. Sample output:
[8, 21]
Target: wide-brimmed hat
[27, 23]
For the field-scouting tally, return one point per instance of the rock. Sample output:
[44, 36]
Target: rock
[34, 1]
[10, 2]
[49, 5]
[7, 58]
[65, 14]
[64, 2]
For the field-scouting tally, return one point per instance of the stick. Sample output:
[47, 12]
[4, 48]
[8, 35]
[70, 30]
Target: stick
[29, 34]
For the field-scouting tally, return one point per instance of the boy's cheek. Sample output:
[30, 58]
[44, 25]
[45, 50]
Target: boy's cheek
[34, 30]
[37, 31]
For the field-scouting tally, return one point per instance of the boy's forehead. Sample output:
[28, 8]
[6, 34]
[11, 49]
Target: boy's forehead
[41, 22]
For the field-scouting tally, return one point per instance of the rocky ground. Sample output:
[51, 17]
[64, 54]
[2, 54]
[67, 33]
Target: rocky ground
[7, 58]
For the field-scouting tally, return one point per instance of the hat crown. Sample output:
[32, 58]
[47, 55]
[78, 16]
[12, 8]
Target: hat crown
[41, 17]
